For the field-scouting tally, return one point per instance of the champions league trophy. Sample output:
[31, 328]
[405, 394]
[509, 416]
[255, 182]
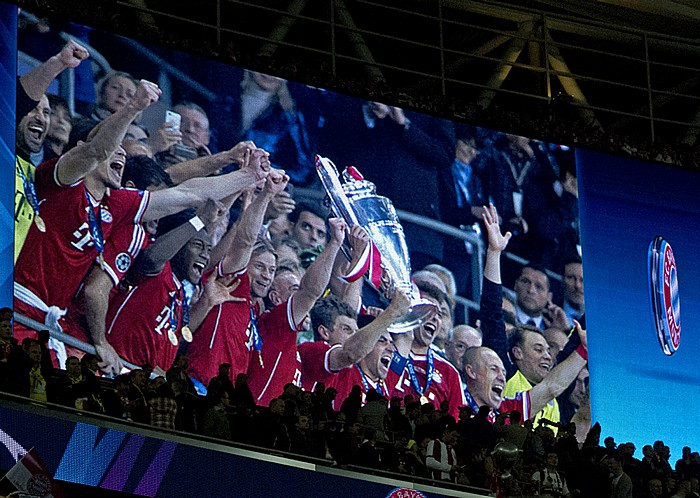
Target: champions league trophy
[356, 201]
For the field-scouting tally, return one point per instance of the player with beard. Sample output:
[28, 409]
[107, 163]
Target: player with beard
[293, 299]
[422, 373]
[371, 372]
[81, 196]
[229, 331]
[34, 116]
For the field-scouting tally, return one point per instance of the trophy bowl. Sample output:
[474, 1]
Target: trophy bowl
[357, 202]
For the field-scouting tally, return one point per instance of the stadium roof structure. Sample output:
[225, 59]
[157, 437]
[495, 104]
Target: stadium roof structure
[631, 67]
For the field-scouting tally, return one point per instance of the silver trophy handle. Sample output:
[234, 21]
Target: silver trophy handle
[331, 182]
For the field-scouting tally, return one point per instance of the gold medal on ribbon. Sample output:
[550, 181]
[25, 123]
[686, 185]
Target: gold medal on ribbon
[186, 333]
[172, 337]
[424, 400]
[39, 222]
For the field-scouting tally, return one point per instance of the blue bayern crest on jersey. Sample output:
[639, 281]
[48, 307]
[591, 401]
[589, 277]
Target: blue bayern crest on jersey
[105, 215]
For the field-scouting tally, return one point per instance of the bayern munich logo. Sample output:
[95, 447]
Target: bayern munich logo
[39, 485]
[665, 299]
[405, 493]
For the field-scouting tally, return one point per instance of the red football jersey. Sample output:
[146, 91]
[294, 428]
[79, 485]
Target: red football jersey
[53, 263]
[224, 336]
[344, 381]
[139, 319]
[281, 362]
[445, 384]
[314, 364]
[120, 252]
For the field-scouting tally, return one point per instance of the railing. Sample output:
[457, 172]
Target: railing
[622, 79]
[14, 402]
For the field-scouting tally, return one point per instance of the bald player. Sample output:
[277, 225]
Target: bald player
[486, 381]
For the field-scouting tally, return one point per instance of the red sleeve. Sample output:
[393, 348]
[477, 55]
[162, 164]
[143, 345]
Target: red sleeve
[45, 180]
[314, 363]
[128, 205]
[457, 398]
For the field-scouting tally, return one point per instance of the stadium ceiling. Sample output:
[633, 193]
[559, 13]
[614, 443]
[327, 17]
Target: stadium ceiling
[631, 67]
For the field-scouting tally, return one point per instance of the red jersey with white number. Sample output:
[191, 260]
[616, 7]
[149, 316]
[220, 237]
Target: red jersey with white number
[445, 384]
[52, 264]
[347, 378]
[224, 336]
[139, 319]
[314, 364]
[281, 362]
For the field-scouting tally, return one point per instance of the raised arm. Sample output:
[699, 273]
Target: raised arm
[490, 312]
[316, 278]
[359, 345]
[196, 191]
[497, 244]
[207, 165]
[38, 79]
[107, 137]
[556, 381]
[153, 259]
[241, 245]
[351, 292]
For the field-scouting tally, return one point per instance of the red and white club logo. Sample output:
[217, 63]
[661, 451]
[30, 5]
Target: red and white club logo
[39, 485]
[665, 298]
[671, 300]
[405, 493]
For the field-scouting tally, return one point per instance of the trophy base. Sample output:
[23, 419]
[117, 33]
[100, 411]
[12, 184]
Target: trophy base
[421, 311]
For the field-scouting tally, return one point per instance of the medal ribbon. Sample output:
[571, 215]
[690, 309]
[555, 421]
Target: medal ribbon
[188, 293]
[257, 340]
[29, 190]
[518, 177]
[365, 382]
[95, 224]
[475, 408]
[173, 316]
[428, 376]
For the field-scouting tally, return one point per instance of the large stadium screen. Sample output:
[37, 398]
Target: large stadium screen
[637, 223]
[438, 174]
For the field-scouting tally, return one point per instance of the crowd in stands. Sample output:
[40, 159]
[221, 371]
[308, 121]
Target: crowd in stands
[398, 436]
[213, 300]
